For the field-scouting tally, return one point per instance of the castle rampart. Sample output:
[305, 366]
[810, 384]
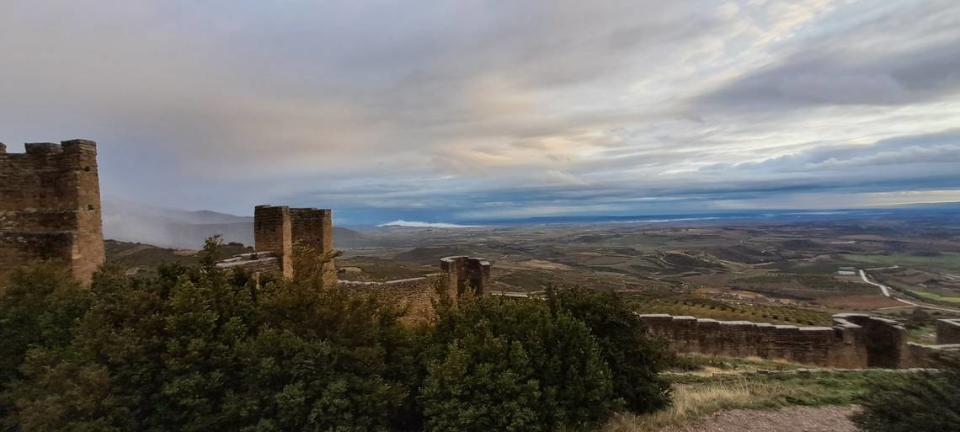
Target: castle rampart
[281, 231]
[465, 273]
[50, 207]
[855, 341]
[948, 331]
[272, 233]
[417, 295]
[458, 275]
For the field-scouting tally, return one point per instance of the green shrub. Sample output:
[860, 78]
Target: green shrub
[192, 351]
[633, 357]
[928, 401]
[514, 365]
[192, 348]
[38, 307]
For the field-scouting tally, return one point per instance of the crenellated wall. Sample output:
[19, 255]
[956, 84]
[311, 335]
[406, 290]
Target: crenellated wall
[855, 341]
[50, 207]
[280, 230]
[465, 273]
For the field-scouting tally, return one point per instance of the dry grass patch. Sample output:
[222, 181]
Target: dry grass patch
[696, 397]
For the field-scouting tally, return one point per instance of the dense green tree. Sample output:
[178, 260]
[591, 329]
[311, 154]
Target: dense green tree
[194, 348]
[39, 306]
[633, 357]
[514, 365]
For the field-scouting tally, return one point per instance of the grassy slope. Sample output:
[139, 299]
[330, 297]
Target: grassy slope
[726, 384]
[936, 297]
[946, 261]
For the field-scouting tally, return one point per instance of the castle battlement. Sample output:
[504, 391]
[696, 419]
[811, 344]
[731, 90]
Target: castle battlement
[279, 230]
[50, 206]
[855, 340]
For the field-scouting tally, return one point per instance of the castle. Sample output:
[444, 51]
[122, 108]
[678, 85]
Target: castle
[855, 341]
[50, 210]
[281, 232]
[50, 207]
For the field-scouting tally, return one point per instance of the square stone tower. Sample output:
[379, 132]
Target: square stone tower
[282, 230]
[465, 274]
[50, 207]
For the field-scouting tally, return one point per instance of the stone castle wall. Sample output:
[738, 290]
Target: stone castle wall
[280, 230]
[50, 207]
[465, 273]
[458, 275]
[272, 233]
[313, 228]
[948, 331]
[855, 341]
[416, 295]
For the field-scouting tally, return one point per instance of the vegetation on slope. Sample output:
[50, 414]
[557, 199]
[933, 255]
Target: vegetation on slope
[195, 348]
[927, 401]
[696, 397]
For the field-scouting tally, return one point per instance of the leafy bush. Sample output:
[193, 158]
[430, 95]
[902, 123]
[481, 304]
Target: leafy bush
[192, 351]
[192, 348]
[38, 307]
[633, 357]
[928, 401]
[514, 365]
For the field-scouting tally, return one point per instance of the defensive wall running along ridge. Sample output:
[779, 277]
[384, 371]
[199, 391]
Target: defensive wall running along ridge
[854, 341]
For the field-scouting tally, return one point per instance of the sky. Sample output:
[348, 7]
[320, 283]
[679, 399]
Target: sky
[461, 110]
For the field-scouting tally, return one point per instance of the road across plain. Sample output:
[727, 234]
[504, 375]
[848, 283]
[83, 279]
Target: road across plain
[886, 293]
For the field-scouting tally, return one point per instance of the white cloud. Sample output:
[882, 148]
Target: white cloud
[474, 110]
[419, 224]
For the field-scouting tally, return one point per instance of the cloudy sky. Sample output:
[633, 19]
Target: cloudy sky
[474, 110]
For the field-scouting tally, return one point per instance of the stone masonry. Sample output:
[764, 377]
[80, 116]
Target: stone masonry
[280, 231]
[948, 331]
[465, 273]
[855, 341]
[458, 275]
[50, 207]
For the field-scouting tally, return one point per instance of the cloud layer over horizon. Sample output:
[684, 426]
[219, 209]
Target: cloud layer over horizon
[467, 111]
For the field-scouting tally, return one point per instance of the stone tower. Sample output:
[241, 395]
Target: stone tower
[280, 230]
[465, 273]
[50, 207]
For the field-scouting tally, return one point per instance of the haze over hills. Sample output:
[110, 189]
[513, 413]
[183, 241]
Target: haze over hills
[134, 222]
[131, 222]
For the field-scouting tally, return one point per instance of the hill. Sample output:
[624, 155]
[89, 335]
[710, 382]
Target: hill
[144, 256]
[182, 229]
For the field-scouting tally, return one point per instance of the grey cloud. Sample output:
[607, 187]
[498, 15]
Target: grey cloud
[405, 107]
[909, 54]
[942, 148]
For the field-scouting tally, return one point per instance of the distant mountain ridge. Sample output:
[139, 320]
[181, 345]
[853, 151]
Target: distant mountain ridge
[186, 229]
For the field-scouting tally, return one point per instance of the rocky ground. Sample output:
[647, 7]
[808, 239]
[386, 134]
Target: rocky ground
[793, 419]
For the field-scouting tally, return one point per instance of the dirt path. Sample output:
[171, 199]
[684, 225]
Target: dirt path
[793, 419]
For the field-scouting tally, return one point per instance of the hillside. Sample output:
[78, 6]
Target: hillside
[143, 256]
[182, 229]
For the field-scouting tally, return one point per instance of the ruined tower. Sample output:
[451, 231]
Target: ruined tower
[50, 207]
[465, 273]
[282, 230]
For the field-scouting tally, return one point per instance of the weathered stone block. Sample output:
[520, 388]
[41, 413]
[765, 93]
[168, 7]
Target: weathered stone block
[50, 207]
[948, 331]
